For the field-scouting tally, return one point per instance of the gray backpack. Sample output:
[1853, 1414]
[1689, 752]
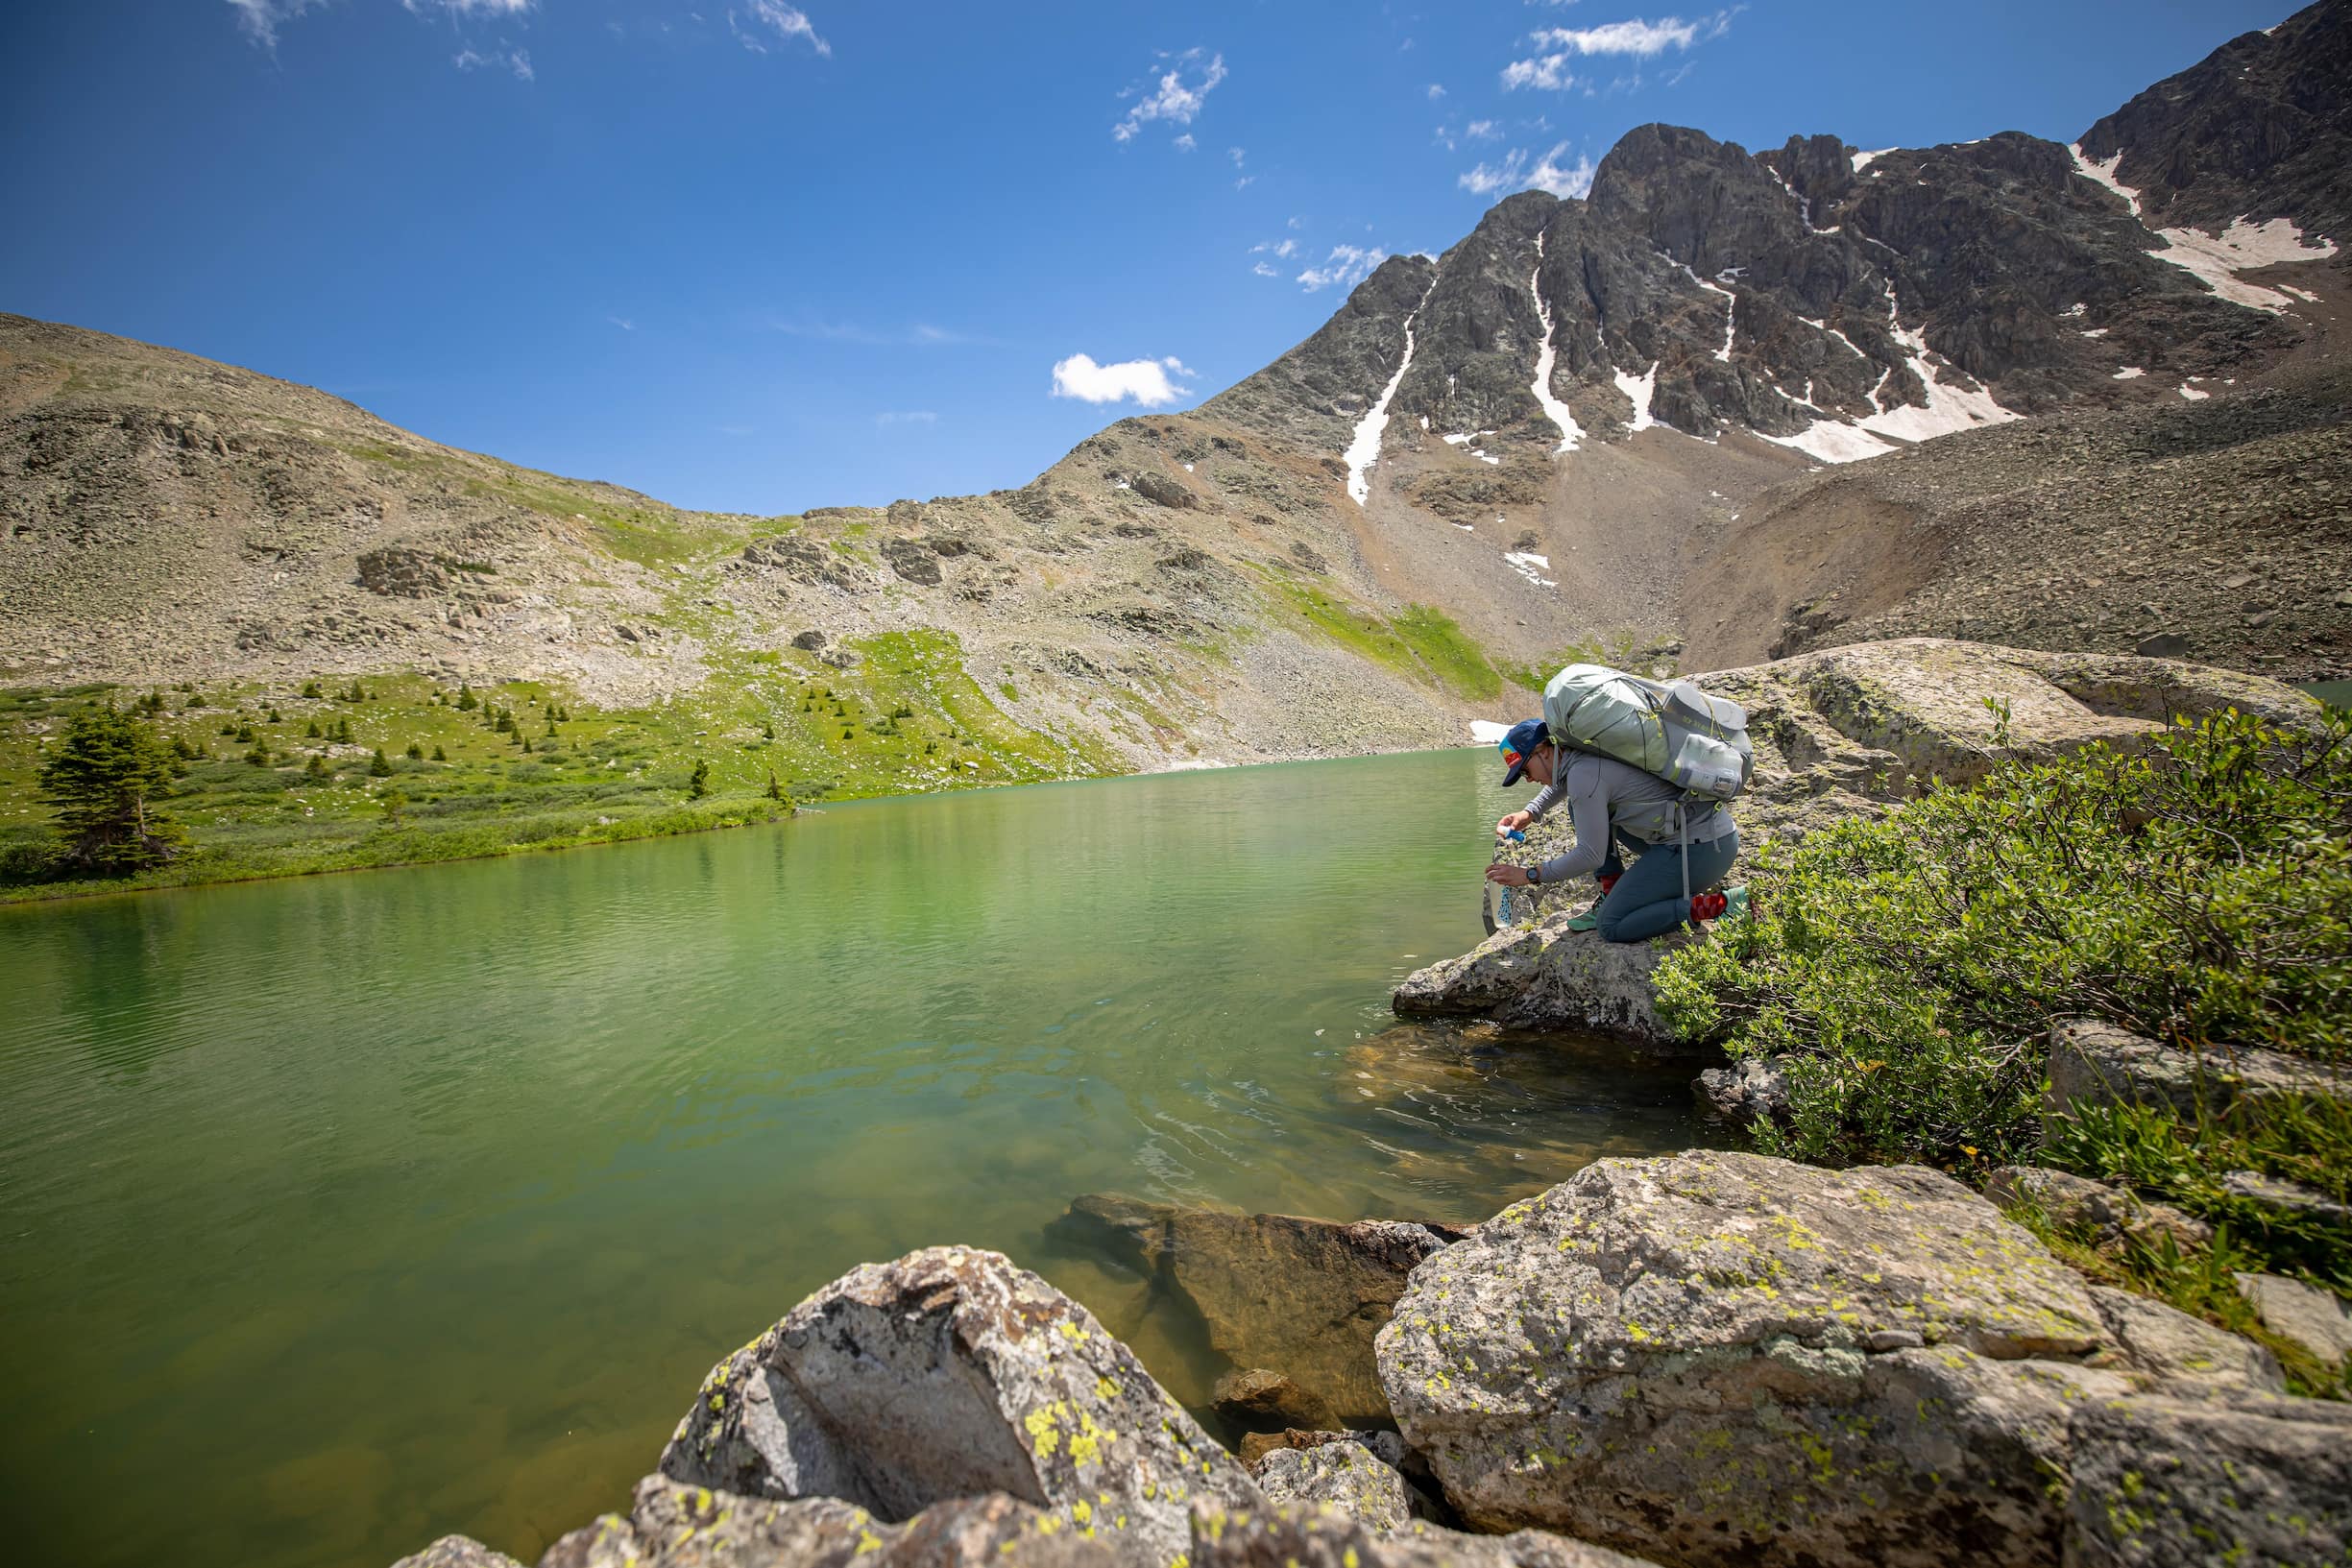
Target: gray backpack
[1694, 741]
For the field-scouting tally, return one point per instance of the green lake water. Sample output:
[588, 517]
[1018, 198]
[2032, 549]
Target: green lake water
[341, 1213]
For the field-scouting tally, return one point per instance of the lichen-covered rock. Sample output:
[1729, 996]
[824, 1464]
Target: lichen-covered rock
[457, 1552]
[2107, 1217]
[2289, 1199]
[2092, 1064]
[2185, 1355]
[672, 1525]
[1303, 1297]
[952, 1373]
[2161, 1482]
[1345, 1474]
[1723, 1355]
[1296, 1537]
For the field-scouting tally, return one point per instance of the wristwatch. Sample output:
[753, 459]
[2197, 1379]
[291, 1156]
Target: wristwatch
[1534, 878]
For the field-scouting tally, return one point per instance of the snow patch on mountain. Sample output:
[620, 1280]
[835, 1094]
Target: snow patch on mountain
[1949, 408]
[1364, 451]
[1571, 434]
[1834, 441]
[2241, 246]
[1863, 161]
[1639, 389]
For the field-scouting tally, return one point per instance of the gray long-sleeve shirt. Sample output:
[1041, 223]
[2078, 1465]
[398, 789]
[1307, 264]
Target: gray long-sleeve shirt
[1604, 794]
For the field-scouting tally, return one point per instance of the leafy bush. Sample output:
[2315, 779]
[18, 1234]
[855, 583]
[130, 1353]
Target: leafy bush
[1909, 969]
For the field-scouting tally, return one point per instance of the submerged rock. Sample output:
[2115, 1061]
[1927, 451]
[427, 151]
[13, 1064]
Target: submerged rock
[952, 1373]
[1255, 1397]
[1303, 1297]
[1727, 1356]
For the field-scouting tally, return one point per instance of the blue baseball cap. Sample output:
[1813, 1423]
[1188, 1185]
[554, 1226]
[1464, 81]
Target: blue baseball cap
[1522, 738]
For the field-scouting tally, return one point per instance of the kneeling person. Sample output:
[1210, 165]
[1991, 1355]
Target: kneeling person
[1616, 806]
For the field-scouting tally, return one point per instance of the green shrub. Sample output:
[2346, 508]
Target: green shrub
[1909, 968]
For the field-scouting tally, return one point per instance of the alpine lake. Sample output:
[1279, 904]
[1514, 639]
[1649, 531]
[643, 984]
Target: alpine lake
[345, 1212]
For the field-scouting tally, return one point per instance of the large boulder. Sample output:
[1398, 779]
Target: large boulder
[1299, 1297]
[2161, 1482]
[1724, 1357]
[672, 1525]
[1841, 733]
[952, 1373]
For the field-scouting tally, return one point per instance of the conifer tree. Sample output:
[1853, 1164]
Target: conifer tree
[392, 800]
[775, 790]
[316, 767]
[440, 755]
[310, 689]
[416, 751]
[312, 731]
[466, 701]
[104, 777]
[698, 782]
[378, 767]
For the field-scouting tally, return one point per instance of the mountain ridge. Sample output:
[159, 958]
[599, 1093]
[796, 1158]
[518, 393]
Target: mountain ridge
[1606, 399]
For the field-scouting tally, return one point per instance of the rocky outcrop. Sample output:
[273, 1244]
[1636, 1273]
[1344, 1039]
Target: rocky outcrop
[1746, 1091]
[2094, 1064]
[1718, 1355]
[1301, 1297]
[951, 1374]
[1842, 733]
[2107, 1217]
[1344, 1475]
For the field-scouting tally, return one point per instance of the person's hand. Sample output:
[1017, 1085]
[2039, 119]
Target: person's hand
[1508, 876]
[1515, 822]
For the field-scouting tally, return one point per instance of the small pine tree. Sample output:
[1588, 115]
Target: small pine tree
[184, 750]
[245, 734]
[416, 751]
[767, 731]
[104, 777]
[310, 689]
[467, 701]
[440, 755]
[775, 790]
[550, 724]
[277, 718]
[311, 731]
[259, 757]
[392, 800]
[698, 781]
[378, 767]
[316, 767]
[153, 702]
[343, 733]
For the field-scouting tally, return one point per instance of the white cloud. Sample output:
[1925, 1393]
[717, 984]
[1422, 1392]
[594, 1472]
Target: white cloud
[260, 18]
[907, 416]
[1150, 382]
[1347, 266]
[1640, 40]
[624, 323]
[1185, 143]
[1482, 130]
[467, 7]
[1236, 155]
[1513, 174]
[1283, 250]
[786, 22]
[1436, 92]
[517, 60]
[1548, 175]
[1171, 100]
[1265, 270]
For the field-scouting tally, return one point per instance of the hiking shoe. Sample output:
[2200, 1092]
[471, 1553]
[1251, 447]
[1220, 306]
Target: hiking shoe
[1735, 904]
[1588, 921]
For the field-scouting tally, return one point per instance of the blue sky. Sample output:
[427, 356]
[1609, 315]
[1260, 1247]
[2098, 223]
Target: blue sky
[759, 257]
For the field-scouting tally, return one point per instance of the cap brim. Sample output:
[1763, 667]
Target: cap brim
[1518, 770]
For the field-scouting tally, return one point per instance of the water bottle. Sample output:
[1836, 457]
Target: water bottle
[1502, 905]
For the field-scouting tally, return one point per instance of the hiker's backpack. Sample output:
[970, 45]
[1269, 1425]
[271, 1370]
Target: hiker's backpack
[1694, 741]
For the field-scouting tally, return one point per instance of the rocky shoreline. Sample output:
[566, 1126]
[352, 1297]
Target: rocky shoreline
[1702, 1358]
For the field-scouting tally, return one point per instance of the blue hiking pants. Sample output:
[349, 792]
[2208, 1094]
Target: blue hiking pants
[1648, 898]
